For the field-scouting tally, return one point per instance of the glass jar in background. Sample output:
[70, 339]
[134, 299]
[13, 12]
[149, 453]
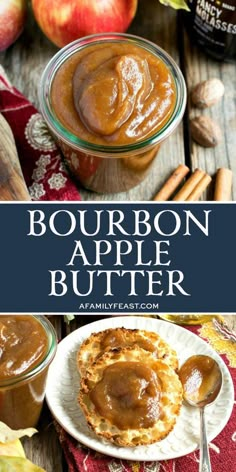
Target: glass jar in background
[212, 26]
[22, 395]
[192, 319]
[108, 168]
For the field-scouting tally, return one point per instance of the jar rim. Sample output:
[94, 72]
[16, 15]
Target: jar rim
[74, 141]
[46, 360]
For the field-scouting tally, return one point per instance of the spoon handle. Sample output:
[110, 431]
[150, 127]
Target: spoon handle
[205, 463]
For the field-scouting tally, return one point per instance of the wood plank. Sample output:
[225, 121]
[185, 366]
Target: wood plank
[44, 449]
[26, 59]
[199, 67]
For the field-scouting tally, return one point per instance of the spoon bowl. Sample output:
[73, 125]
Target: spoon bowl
[201, 378]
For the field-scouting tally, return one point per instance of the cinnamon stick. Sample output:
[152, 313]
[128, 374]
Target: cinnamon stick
[223, 185]
[172, 183]
[199, 189]
[189, 186]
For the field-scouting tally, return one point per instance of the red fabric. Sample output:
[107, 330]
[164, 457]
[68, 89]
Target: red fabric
[41, 161]
[81, 459]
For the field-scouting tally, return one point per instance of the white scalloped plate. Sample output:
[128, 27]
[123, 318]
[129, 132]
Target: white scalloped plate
[63, 387]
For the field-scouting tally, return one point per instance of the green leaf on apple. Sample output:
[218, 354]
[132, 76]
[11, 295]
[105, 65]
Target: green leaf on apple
[176, 4]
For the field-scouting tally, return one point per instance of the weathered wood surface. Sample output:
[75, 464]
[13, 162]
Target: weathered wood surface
[198, 67]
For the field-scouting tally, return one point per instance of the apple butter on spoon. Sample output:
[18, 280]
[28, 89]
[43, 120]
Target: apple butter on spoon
[201, 378]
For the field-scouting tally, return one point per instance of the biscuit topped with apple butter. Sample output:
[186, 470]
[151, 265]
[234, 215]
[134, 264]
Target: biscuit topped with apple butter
[130, 392]
[130, 398]
[126, 388]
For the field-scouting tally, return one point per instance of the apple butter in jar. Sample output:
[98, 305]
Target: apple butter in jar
[110, 100]
[27, 347]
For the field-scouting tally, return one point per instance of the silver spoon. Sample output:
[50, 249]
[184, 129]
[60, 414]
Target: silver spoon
[201, 378]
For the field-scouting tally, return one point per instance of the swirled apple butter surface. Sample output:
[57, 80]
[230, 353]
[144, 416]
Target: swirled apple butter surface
[27, 346]
[128, 395]
[113, 94]
[23, 343]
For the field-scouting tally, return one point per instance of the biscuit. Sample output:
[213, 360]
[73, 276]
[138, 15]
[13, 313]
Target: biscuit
[98, 343]
[168, 400]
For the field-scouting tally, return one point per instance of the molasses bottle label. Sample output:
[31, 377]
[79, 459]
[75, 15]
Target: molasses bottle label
[212, 24]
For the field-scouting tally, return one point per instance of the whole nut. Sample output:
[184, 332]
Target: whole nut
[205, 131]
[207, 93]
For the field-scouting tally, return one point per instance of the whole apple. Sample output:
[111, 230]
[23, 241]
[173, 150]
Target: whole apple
[12, 21]
[63, 21]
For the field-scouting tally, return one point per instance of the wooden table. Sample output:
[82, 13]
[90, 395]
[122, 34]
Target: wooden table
[44, 448]
[26, 59]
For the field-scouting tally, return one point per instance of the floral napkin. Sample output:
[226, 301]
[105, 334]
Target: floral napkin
[222, 449]
[42, 164]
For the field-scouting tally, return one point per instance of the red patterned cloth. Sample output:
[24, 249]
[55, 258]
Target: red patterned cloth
[222, 450]
[42, 165]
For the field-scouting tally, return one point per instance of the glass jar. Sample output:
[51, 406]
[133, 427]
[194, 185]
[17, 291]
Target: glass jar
[109, 168]
[212, 26]
[21, 396]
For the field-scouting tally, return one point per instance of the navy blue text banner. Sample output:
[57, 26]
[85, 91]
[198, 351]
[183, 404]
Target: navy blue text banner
[117, 257]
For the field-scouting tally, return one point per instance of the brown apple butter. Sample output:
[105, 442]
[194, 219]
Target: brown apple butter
[118, 339]
[199, 376]
[128, 395]
[27, 346]
[113, 94]
[23, 343]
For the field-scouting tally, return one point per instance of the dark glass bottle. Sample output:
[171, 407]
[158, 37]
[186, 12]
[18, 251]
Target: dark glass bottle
[212, 25]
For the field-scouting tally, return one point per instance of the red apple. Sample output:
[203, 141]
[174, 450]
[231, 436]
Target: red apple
[12, 21]
[63, 21]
